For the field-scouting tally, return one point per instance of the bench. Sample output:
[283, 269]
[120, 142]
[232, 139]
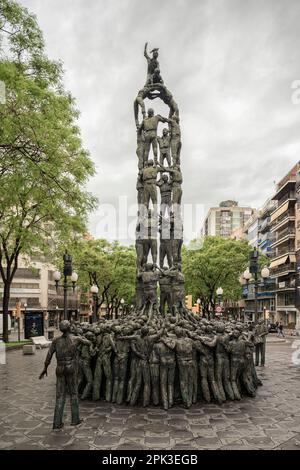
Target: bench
[40, 342]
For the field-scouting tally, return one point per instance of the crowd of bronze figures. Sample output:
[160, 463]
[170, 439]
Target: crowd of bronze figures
[167, 360]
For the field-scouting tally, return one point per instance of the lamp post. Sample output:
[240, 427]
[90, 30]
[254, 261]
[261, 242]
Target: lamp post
[67, 271]
[23, 321]
[219, 294]
[122, 301]
[253, 270]
[243, 314]
[57, 316]
[94, 290]
[199, 303]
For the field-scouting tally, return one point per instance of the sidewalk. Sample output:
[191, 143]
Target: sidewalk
[269, 421]
[14, 334]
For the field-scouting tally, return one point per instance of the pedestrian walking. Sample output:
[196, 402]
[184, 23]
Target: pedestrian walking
[280, 332]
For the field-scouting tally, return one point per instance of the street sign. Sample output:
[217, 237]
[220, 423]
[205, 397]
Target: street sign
[218, 309]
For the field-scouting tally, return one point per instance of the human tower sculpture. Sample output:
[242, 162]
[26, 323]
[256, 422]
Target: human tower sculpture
[160, 353]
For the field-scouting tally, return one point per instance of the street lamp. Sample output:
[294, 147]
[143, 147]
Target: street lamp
[265, 272]
[57, 316]
[25, 308]
[219, 294]
[199, 303]
[247, 275]
[253, 269]
[94, 290]
[243, 314]
[67, 271]
[122, 301]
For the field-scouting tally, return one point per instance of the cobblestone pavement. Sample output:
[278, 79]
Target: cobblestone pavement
[269, 421]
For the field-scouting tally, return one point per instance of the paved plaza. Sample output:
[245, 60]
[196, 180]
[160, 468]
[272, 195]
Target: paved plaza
[270, 421]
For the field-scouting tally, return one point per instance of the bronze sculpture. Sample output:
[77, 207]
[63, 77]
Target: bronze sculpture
[164, 143]
[165, 242]
[260, 335]
[165, 187]
[153, 71]
[149, 127]
[65, 348]
[136, 357]
[105, 345]
[149, 175]
[142, 347]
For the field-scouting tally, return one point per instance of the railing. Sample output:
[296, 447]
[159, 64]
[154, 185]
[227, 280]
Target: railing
[285, 232]
[283, 216]
[284, 268]
[266, 289]
[288, 195]
[27, 273]
[285, 249]
[286, 285]
[290, 303]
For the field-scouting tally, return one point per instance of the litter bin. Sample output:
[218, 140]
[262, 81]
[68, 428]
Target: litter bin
[50, 335]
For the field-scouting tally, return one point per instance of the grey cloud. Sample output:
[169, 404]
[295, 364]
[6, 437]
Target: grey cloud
[229, 64]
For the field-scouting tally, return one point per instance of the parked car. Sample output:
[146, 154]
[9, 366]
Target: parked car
[272, 328]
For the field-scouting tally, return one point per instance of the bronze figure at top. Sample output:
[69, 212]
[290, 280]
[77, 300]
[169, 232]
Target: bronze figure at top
[153, 71]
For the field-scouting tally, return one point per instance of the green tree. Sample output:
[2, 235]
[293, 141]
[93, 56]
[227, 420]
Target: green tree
[219, 262]
[43, 166]
[110, 266]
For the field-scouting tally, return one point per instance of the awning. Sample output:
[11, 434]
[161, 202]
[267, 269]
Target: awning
[292, 258]
[280, 211]
[278, 262]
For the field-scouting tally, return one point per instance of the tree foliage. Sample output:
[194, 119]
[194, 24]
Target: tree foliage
[43, 165]
[110, 266]
[219, 262]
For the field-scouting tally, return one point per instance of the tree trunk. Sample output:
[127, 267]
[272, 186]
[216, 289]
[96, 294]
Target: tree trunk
[5, 304]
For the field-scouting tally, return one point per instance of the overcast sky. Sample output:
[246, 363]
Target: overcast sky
[230, 65]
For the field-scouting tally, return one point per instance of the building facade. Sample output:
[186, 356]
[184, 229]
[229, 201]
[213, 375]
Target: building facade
[284, 223]
[257, 231]
[222, 221]
[33, 287]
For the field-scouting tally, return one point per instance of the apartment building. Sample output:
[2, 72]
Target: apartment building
[222, 221]
[34, 287]
[257, 232]
[284, 220]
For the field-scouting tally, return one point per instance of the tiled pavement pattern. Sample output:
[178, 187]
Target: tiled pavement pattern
[270, 421]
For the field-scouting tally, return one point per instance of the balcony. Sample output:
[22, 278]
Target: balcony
[282, 303]
[290, 195]
[288, 285]
[285, 218]
[286, 307]
[285, 250]
[286, 185]
[269, 207]
[283, 269]
[284, 235]
[27, 273]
